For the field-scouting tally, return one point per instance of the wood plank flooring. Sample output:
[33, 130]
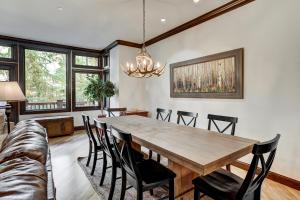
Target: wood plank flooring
[72, 184]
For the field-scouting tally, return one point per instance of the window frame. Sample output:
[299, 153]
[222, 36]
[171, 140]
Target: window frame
[22, 78]
[13, 76]
[13, 47]
[86, 71]
[87, 54]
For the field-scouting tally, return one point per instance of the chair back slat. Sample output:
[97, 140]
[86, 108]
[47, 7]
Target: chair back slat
[231, 120]
[113, 112]
[163, 114]
[124, 152]
[104, 138]
[182, 114]
[256, 176]
[88, 128]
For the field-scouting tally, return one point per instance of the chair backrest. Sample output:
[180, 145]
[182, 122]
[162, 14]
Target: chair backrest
[163, 114]
[112, 112]
[103, 137]
[231, 120]
[88, 128]
[182, 114]
[124, 152]
[252, 183]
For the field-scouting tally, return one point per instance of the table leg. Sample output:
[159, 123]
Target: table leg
[183, 181]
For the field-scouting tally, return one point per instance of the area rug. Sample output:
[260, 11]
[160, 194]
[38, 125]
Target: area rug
[103, 191]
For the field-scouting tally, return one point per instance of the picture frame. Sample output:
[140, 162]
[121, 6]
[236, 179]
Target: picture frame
[214, 76]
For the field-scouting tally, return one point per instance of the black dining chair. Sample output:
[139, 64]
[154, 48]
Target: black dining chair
[192, 121]
[231, 122]
[103, 137]
[113, 112]
[163, 115]
[93, 144]
[105, 140]
[143, 176]
[224, 185]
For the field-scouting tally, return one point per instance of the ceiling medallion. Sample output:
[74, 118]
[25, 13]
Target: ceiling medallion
[145, 66]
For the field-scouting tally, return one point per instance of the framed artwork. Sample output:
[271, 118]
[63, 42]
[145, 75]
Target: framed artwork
[214, 76]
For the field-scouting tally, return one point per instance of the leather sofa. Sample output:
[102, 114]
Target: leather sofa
[25, 164]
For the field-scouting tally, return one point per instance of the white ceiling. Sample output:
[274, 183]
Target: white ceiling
[95, 23]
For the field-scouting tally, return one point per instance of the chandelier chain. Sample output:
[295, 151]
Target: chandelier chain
[144, 21]
[145, 66]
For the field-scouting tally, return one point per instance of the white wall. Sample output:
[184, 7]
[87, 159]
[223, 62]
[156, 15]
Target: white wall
[131, 91]
[269, 32]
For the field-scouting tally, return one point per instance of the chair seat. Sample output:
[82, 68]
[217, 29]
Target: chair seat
[152, 172]
[220, 184]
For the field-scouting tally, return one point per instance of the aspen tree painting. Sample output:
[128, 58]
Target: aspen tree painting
[215, 76]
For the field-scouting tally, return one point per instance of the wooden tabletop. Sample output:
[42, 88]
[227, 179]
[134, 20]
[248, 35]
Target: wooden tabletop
[200, 150]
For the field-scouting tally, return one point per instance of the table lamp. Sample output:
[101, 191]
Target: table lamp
[10, 91]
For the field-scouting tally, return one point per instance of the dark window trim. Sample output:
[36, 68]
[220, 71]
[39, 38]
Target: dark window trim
[22, 48]
[14, 53]
[13, 76]
[83, 71]
[87, 54]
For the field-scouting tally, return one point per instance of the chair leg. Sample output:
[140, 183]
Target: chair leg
[150, 154]
[90, 154]
[228, 168]
[151, 192]
[171, 189]
[158, 157]
[139, 193]
[123, 187]
[257, 193]
[196, 194]
[95, 161]
[113, 181]
[104, 166]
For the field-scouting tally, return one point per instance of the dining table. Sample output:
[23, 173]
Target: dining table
[190, 151]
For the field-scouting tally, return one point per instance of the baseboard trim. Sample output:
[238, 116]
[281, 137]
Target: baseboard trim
[293, 183]
[79, 128]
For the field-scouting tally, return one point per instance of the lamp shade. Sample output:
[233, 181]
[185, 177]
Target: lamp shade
[11, 91]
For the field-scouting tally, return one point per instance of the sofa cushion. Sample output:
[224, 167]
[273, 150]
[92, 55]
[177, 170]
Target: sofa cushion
[28, 123]
[27, 144]
[23, 178]
[27, 128]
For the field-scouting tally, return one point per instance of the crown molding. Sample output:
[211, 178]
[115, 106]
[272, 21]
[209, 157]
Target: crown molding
[232, 5]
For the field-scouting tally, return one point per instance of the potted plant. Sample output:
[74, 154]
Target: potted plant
[98, 89]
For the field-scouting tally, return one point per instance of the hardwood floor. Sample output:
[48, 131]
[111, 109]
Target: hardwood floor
[72, 184]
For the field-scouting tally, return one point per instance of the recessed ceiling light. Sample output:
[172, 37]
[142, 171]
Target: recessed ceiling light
[196, 1]
[60, 8]
[163, 20]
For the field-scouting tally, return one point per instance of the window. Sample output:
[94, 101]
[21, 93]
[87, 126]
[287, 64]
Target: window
[5, 52]
[45, 80]
[85, 65]
[81, 80]
[86, 61]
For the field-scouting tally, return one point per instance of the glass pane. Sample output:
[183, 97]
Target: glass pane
[80, 84]
[5, 52]
[45, 80]
[4, 75]
[85, 60]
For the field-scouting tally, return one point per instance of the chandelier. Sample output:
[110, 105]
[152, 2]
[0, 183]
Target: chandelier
[144, 67]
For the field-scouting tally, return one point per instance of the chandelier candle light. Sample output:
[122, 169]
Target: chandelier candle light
[145, 66]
